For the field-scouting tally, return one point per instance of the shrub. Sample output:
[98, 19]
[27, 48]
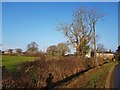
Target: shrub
[34, 73]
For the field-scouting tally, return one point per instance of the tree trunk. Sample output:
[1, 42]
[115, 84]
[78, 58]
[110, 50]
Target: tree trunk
[95, 57]
[78, 53]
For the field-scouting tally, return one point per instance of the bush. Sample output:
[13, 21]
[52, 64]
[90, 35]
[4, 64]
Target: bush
[34, 74]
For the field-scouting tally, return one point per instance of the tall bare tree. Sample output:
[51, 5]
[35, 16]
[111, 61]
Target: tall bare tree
[95, 16]
[82, 29]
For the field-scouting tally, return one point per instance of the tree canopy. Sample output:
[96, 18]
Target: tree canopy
[32, 48]
[58, 50]
[82, 28]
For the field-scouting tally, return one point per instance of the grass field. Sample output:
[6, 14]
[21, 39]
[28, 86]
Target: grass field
[11, 62]
[94, 78]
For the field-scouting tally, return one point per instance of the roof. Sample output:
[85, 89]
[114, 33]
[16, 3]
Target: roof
[107, 52]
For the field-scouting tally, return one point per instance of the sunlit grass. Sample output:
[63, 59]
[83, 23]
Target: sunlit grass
[99, 77]
[11, 62]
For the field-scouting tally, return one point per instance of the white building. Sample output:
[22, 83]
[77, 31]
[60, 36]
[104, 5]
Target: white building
[105, 55]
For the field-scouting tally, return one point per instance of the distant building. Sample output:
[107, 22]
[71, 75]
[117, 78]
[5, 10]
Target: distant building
[5, 52]
[104, 55]
[88, 55]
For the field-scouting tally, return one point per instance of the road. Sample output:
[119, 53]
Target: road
[115, 77]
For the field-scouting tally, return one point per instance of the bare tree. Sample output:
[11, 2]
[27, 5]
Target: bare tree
[18, 50]
[62, 48]
[58, 50]
[101, 48]
[52, 50]
[82, 29]
[32, 48]
[10, 51]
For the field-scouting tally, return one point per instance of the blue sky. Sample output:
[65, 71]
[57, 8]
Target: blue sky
[23, 23]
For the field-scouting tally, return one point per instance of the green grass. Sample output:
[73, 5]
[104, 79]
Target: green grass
[97, 77]
[11, 62]
[94, 78]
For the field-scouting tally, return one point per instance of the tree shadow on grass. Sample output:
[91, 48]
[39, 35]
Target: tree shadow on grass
[64, 80]
[69, 78]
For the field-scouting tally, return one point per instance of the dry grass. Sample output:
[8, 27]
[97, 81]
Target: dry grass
[94, 78]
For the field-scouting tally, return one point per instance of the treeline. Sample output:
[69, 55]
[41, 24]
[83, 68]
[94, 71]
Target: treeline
[32, 50]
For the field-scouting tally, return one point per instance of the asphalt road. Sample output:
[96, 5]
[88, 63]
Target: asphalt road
[115, 78]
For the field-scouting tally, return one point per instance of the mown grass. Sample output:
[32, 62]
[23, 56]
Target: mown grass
[11, 62]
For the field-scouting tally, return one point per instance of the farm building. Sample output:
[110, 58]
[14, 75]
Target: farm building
[105, 55]
[5, 52]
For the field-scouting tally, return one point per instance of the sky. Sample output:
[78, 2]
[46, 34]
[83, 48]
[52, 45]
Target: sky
[118, 24]
[24, 22]
[60, 0]
[0, 25]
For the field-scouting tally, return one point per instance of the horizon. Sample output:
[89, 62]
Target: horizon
[26, 22]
